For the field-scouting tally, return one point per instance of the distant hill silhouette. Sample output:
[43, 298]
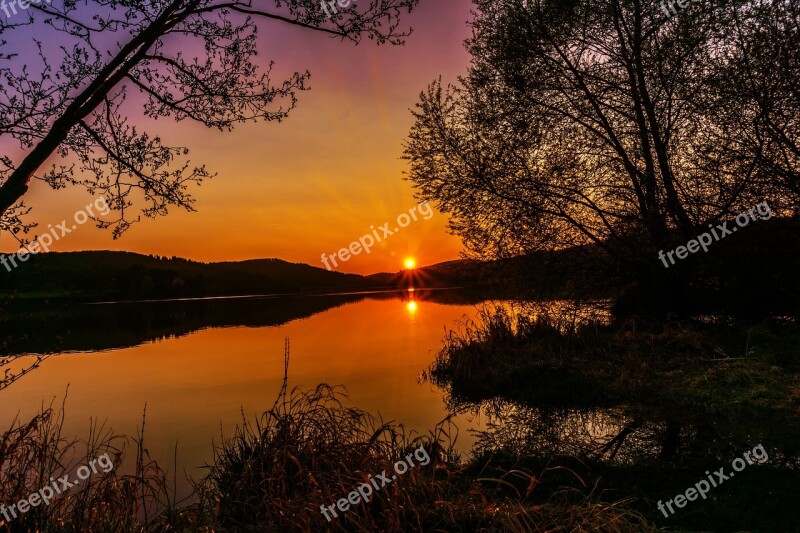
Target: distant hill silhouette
[125, 275]
[447, 274]
[109, 275]
[751, 271]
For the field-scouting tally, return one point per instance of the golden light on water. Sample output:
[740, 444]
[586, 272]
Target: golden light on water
[411, 307]
[410, 263]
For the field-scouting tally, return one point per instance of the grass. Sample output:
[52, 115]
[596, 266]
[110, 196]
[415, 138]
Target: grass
[312, 448]
[273, 474]
[34, 453]
[640, 408]
[538, 359]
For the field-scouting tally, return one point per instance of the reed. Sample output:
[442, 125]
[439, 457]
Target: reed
[273, 474]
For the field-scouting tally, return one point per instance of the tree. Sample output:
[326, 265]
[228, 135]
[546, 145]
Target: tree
[757, 93]
[66, 69]
[610, 124]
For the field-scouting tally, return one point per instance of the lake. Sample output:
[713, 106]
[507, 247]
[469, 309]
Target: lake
[198, 365]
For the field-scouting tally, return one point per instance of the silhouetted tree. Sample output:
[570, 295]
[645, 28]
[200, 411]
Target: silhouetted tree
[756, 94]
[611, 123]
[67, 67]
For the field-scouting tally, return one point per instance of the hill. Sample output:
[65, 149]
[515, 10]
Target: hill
[126, 275]
[108, 275]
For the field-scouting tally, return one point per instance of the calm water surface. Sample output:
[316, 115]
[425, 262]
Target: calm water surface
[197, 365]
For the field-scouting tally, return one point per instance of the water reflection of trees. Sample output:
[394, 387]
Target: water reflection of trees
[612, 435]
[52, 327]
[607, 434]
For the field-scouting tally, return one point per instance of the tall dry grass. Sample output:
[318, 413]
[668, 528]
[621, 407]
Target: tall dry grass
[35, 453]
[309, 449]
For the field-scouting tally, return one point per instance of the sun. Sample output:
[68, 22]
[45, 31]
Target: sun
[410, 263]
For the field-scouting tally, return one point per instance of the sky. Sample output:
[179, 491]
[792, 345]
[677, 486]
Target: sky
[313, 183]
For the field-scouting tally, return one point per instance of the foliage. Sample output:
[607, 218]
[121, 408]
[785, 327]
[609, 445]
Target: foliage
[67, 69]
[611, 124]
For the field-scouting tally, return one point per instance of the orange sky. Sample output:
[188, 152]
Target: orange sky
[315, 182]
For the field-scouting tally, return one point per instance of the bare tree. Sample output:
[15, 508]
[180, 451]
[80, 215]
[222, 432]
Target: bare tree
[756, 93]
[67, 68]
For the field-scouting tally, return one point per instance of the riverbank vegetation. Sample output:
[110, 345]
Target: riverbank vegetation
[588, 424]
[639, 408]
[310, 449]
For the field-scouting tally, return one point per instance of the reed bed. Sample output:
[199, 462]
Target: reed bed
[275, 471]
